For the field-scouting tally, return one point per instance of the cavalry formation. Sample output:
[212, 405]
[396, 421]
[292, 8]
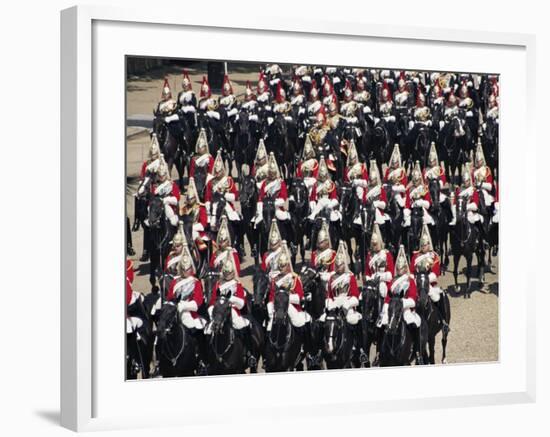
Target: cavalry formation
[379, 175]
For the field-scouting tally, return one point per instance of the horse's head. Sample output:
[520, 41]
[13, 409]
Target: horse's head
[156, 212]
[167, 319]
[247, 192]
[221, 314]
[268, 211]
[280, 306]
[261, 286]
[243, 123]
[299, 193]
[334, 330]
[210, 278]
[395, 315]
[434, 189]
[457, 128]
[423, 288]
[369, 298]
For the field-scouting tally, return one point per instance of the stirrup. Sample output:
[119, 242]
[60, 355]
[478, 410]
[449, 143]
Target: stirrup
[252, 362]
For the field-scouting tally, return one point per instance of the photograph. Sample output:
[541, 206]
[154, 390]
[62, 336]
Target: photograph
[284, 217]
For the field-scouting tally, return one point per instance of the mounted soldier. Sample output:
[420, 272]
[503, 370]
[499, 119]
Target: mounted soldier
[224, 249]
[322, 259]
[343, 292]
[404, 286]
[167, 105]
[274, 188]
[205, 94]
[426, 260]
[417, 195]
[355, 171]
[169, 192]
[174, 256]
[221, 187]
[259, 168]
[194, 213]
[308, 167]
[270, 262]
[187, 101]
[314, 101]
[289, 281]
[324, 196]
[396, 176]
[230, 287]
[467, 191]
[228, 102]
[202, 162]
[379, 262]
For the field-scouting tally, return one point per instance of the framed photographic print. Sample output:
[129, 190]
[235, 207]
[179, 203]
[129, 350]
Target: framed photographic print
[291, 221]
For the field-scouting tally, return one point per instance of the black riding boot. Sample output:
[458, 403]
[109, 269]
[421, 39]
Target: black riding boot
[202, 350]
[247, 338]
[146, 236]
[129, 246]
[358, 331]
[443, 314]
[417, 343]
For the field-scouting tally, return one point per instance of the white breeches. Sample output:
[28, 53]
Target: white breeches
[297, 318]
[435, 293]
[410, 317]
[496, 216]
[237, 321]
[171, 215]
[189, 322]
[383, 289]
[133, 324]
[232, 215]
[426, 219]
[472, 216]
[489, 199]
[352, 317]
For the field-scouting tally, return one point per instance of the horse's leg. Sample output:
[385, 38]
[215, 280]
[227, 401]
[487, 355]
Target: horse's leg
[456, 260]
[431, 345]
[468, 273]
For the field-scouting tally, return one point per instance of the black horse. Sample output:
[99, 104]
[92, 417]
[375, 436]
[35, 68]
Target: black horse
[176, 347]
[397, 344]
[455, 145]
[298, 206]
[226, 348]
[245, 149]
[315, 296]
[260, 281]
[283, 343]
[464, 242]
[371, 304]
[415, 229]
[171, 137]
[160, 235]
[248, 198]
[282, 136]
[337, 340]
[428, 312]
[139, 341]
[441, 214]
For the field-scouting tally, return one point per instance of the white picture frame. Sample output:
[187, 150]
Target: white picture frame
[92, 395]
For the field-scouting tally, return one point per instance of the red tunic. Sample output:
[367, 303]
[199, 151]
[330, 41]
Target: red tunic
[128, 292]
[364, 173]
[353, 290]
[402, 181]
[441, 177]
[239, 292]
[389, 264]
[382, 197]
[436, 267]
[197, 295]
[331, 194]
[214, 263]
[193, 165]
[130, 270]
[232, 189]
[264, 265]
[473, 198]
[410, 293]
[295, 288]
[314, 172]
[175, 193]
[282, 193]
[409, 202]
[313, 260]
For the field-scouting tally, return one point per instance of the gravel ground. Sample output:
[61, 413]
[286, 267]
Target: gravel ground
[474, 322]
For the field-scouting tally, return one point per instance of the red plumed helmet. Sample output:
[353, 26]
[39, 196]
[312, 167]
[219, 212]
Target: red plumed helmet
[313, 92]
[227, 89]
[280, 96]
[327, 86]
[420, 97]
[166, 91]
[262, 84]
[249, 94]
[206, 92]
[186, 83]
[386, 93]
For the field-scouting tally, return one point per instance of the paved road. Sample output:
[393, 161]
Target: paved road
[474, 324]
